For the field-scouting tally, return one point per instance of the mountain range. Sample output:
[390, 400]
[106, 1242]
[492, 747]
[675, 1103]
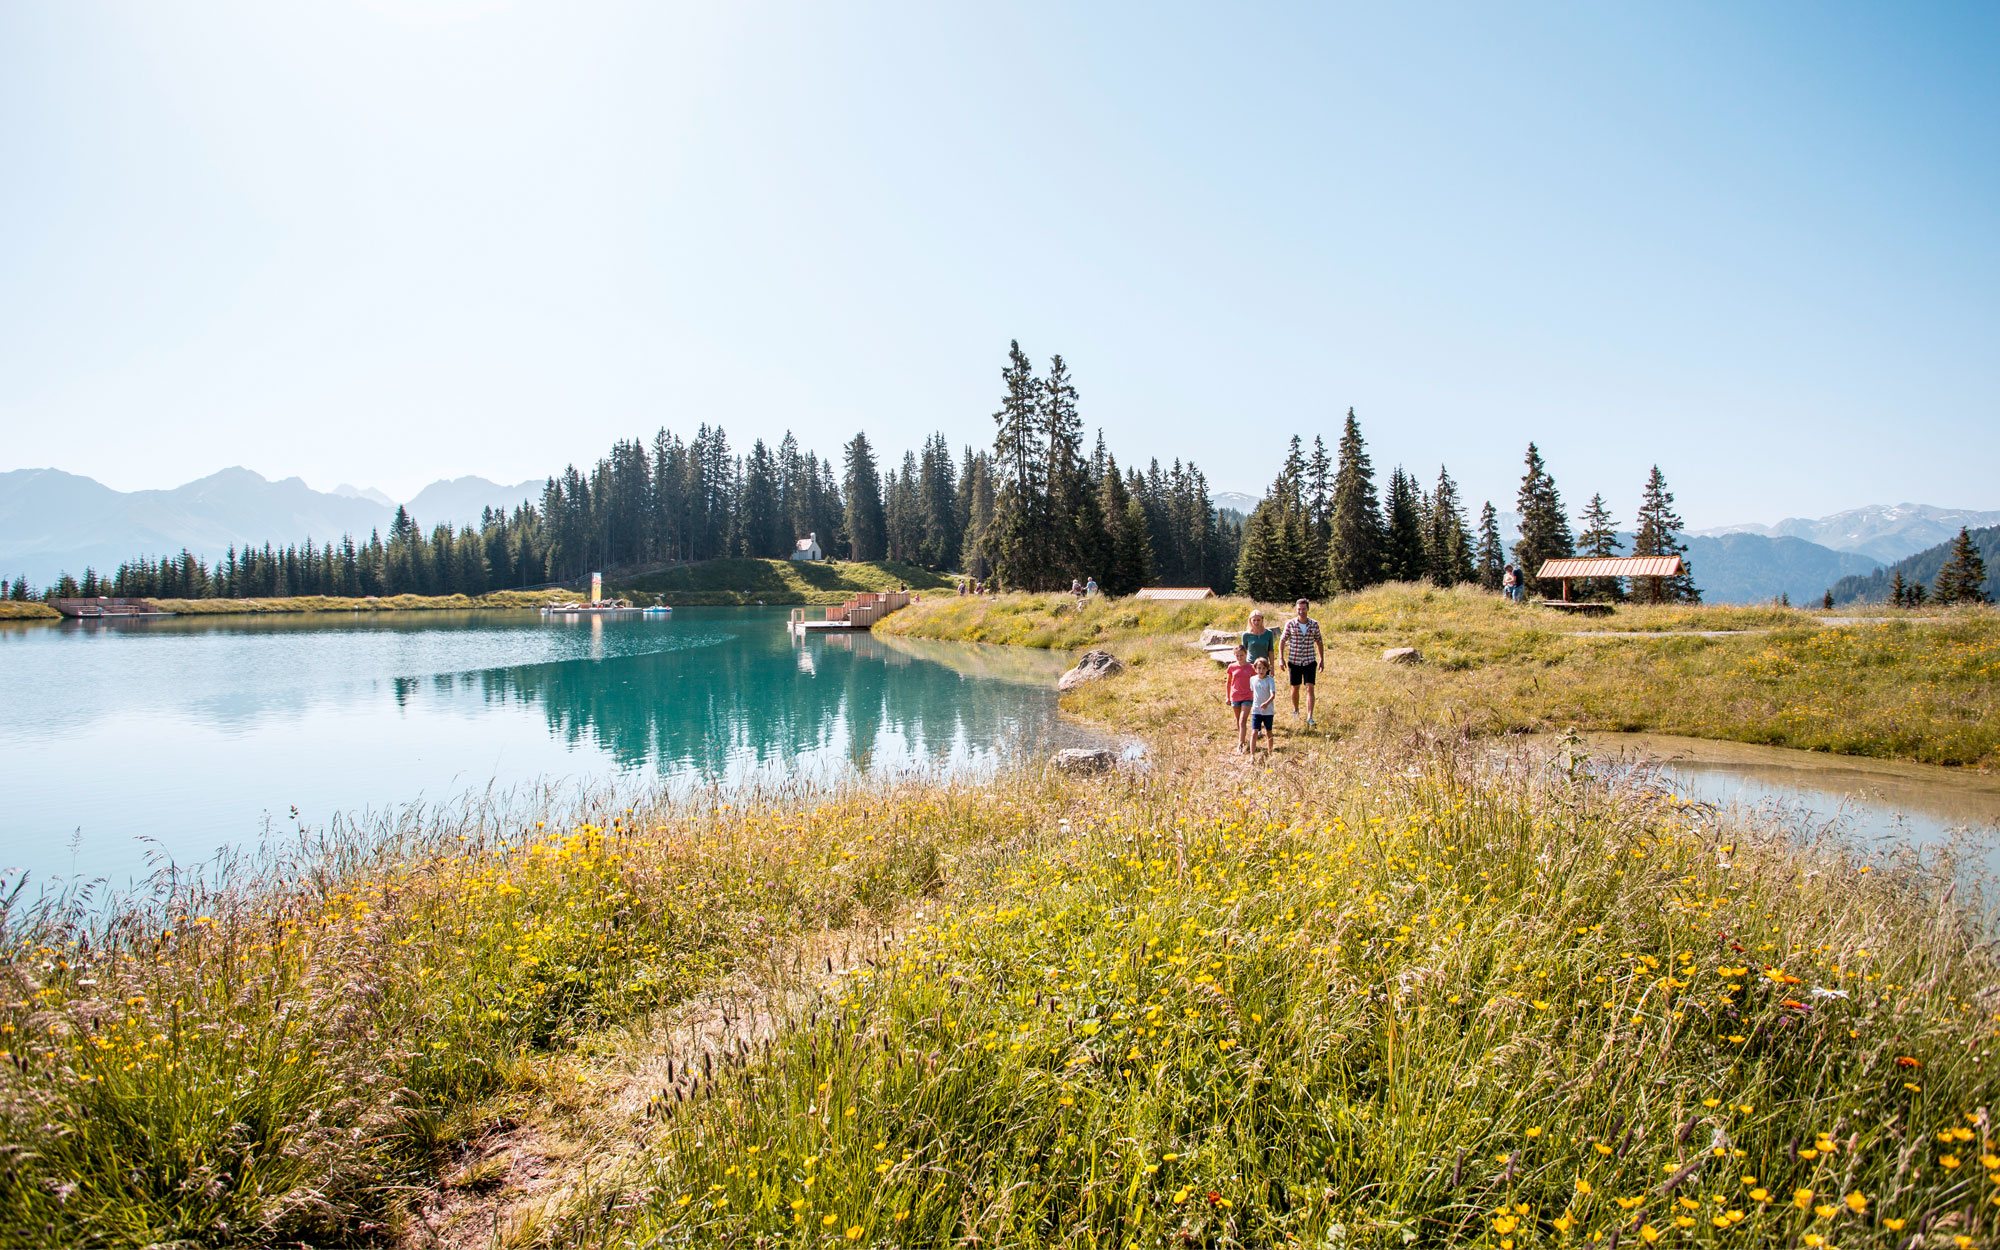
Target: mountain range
[1887, 532]
[1922, 569]
[53, 522]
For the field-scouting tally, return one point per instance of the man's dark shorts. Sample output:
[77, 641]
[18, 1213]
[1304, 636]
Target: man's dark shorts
[1303, 674]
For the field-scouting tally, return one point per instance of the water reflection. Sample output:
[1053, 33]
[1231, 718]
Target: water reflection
[761, 703]
[194, 732]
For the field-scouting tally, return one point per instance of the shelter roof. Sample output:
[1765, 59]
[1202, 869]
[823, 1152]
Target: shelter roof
[1614, 566]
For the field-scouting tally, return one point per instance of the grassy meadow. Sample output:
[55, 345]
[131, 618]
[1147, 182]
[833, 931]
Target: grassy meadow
[13, 611]
[1920, 687]
[1405, 986]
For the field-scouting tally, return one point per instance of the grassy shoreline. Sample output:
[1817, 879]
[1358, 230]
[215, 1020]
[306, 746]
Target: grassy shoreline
[712, 583]
[1394, 987]
[1925, 690]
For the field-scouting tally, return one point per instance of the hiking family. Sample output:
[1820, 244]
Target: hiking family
[1251, 678]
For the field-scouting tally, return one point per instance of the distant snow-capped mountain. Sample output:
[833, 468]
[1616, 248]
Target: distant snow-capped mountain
[52, 522]
[1883, 532]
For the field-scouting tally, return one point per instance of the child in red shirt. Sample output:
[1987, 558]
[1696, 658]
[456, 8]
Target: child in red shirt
[1237, 680]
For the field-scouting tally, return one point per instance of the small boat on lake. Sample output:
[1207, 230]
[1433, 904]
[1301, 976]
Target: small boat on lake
[658, 609]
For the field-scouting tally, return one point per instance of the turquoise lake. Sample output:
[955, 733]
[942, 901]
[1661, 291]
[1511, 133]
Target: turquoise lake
[184, 736]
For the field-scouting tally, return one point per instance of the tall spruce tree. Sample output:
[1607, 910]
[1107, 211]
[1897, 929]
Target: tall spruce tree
[1447, 547]
[865, 523]
[1354, 537]
[1545, 533]
[1075, 538]
[1403, 545]
[1963, 577]
[1131, 562]
[1658, 534]
[1490, 559]
[938, 490]
[1016, 540]
[1600, 540]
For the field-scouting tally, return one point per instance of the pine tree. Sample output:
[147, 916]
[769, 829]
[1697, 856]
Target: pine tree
[1262, 564]
[866, 526]
[1899, 592]
[1074, 538]
[1130, 564]
[762, 525]
[1826, 600]
[1447, 547]
[1599, 539]
[1354, 539]
[1963, 577]
[1491, 558]
[1403, 547]
[1545, 533]
[1016, 539]
[938, 490]
[1658, 534]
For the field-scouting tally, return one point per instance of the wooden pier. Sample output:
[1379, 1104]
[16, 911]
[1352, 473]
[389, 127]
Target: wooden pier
[859, 613]
[103, 609]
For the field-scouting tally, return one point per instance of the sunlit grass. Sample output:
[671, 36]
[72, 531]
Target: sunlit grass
[277, 1060]
[1925, 689]
[1398, 996]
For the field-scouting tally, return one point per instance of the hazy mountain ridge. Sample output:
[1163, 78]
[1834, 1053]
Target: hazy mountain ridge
[1887, 532]
[1922, 567]
[52, 522]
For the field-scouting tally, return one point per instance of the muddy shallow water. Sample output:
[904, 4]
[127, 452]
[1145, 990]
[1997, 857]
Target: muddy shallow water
[1878, 803]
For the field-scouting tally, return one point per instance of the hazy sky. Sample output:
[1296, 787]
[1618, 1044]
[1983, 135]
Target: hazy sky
[385, 243]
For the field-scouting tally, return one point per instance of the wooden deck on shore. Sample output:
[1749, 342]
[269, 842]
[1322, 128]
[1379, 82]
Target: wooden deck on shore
[859, 613]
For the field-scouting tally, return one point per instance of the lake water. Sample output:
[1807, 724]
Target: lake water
[197, 733]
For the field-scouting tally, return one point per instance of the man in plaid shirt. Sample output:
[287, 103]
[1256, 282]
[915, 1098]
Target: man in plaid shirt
[1305, 651]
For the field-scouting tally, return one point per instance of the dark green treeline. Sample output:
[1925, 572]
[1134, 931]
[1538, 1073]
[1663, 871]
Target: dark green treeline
[1035, 512]
[1323, 529]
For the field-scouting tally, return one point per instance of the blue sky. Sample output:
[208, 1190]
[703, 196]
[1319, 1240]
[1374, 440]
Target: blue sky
[385, 243]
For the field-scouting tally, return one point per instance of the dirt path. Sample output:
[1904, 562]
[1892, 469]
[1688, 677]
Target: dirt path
[585, 1117]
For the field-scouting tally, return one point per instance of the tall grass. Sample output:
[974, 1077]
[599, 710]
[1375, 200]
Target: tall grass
[1391, 998]
[1924, 688]
[279, 1059]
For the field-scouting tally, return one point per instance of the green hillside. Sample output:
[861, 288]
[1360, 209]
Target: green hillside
[1922, 567]
[778, 581]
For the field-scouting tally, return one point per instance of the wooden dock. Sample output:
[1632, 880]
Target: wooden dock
[105, 609]
[859, 613]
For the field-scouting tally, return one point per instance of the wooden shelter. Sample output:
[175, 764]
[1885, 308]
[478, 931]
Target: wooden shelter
[1175, 592]
[1565, 571]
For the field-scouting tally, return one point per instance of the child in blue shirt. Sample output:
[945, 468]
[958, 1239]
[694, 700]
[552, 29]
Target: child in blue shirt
[1263, 708]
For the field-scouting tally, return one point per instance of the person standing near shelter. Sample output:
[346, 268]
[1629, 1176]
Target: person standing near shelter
[1260, 643]
[1305, 651]
[1510, 584]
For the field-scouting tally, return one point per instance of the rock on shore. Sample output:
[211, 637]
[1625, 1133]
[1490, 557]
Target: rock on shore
[1093, 665]
[1083, 760]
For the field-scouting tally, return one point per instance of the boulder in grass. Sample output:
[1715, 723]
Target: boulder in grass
[1213, 637]
[1083, 760]
[1093, 665]
[1403, 655]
